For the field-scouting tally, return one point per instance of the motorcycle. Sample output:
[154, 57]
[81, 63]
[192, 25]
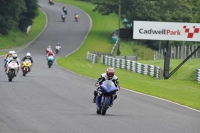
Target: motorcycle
[12, 67]
[63, 18]
[57, 49]
[51, 2]
[76, 18]
[65, 11]
[106, 93]
[50, 61]
[26, 66]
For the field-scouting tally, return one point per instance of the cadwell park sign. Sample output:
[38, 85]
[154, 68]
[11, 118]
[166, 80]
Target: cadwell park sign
[149, 30]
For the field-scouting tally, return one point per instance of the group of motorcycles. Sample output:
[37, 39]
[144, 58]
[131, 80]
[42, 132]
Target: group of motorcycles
[107, 90]
[76, 17]
[13, 68]
[50, 59]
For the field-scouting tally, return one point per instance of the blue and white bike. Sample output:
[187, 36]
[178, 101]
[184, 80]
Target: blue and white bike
[106, 93]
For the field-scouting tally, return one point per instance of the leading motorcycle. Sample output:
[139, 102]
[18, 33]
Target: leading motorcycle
[50, 61]
[26, 66]
[12, 67]
[106, 93]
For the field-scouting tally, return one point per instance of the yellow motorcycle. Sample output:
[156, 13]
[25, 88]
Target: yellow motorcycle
[26, 66]
[76, 18]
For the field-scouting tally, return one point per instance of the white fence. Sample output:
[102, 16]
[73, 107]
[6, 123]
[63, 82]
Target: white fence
[198, 75]
[178, 52]
[92, 57]
[132, 66]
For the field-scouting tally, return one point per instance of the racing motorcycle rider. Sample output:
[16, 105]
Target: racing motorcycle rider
[15, 59]
[65, 10]
[28, 56]
[76, 15]
[58, 46]
[50, 53]
[109, 75]
[48, 49]
[62, 16]
[9, 55]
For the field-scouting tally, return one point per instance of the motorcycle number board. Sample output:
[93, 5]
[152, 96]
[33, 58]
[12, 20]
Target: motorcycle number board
[150, 30]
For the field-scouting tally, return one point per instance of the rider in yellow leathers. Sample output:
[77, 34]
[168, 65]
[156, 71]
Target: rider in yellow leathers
[28, 56]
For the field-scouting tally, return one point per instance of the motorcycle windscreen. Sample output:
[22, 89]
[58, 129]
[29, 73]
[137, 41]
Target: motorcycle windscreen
[108, 86]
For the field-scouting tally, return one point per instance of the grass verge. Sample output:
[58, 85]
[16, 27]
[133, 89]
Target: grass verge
[17, 38]
[2, 53]
[181, 87]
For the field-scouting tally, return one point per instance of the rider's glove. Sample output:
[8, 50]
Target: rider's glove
[97, 84]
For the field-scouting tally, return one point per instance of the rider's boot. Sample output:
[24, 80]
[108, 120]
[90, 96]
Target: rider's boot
[7, 71]
[115, 97]
[5, 67]
[95, 94]
[16, 71]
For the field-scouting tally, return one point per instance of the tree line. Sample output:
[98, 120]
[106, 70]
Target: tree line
[152, 10]
[17, 13]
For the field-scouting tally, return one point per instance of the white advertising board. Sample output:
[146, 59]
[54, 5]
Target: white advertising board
[150, 30]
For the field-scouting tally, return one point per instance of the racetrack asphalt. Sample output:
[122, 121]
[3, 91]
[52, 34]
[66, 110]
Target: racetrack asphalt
[55, 100]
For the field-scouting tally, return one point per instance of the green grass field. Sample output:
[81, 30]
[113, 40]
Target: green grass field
[181, 87]
[16, 38]
[2, 53]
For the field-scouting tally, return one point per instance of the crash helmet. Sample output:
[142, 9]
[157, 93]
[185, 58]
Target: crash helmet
[110, 72]
[10, 52]
[28, 55]
[14, 56]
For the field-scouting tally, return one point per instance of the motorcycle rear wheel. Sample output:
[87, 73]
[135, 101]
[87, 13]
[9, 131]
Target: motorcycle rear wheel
[10, 79]
[25, 72]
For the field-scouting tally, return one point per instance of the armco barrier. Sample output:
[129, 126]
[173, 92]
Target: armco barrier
[92, 57]
[133, 66]
[198, 75]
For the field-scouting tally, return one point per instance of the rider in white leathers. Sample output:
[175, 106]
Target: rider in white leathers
[15, 59]
[58, 46]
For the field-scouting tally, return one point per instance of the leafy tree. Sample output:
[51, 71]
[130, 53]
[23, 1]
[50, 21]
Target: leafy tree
[9, 11]
[27, 16]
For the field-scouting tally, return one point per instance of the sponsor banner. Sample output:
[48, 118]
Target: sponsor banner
[149, 30]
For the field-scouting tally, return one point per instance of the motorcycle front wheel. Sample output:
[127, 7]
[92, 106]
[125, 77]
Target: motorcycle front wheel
[104, 106]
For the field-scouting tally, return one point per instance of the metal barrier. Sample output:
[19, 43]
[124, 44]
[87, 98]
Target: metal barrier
[198, 75]
[92, 57]
[133, 66]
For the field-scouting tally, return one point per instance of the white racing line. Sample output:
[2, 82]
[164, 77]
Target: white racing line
[34, 38]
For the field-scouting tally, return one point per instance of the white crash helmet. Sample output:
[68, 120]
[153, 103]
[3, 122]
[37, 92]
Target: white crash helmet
[10, 52]
[14, 56]
[13, 52]
[28, 54]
